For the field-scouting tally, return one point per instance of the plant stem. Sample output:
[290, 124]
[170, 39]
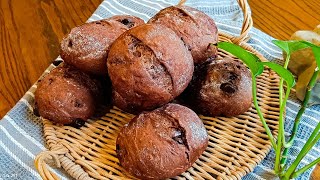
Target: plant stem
[284, 157]
[256, 105]
[302, 109]
[281, 80]
[280, 91]
[302, 170]
[297, 121]
[281, 138]
[315, 136]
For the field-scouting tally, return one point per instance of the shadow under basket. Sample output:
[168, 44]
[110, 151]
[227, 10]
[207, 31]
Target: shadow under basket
[236, 144]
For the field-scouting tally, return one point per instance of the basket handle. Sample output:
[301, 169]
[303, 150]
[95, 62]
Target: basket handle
[247, 21]
[41, 160]
[181, 2]
[59, 154]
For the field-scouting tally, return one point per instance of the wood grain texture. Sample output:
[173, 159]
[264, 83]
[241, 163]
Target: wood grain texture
[30, 32]
[281, 18]
[316, 173]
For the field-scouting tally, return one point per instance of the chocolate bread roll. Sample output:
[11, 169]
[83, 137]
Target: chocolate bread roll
[67, 95]
[86, 47]
[220, 87]
[196, 29]
[162, 143]
[149, 66]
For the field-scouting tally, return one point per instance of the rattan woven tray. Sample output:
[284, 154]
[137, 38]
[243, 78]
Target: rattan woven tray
[236, 145]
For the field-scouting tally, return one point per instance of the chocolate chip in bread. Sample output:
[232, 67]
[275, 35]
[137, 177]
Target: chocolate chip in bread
[67, 95]
[149, 66]
[86, 47]
[220, 87]
[162, 143]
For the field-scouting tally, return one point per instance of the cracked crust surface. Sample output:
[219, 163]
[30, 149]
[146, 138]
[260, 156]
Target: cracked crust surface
[127, 20]
[148, 66]
[221, 87]
[162, 143]
[196, 29]
[86, 47]
[66, 95]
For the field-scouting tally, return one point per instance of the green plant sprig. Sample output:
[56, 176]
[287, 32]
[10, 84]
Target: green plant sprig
[298, 117]
[256, 67]
[315, 136]
[290, 81]
[306, 148]
[288, 47]
[304, 169]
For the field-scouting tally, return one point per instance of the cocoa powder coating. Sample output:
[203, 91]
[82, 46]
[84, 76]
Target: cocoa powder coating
[67, 95]
[148, 66]
[196, 29]
[220, 87]
[162, 143]
[86, 47]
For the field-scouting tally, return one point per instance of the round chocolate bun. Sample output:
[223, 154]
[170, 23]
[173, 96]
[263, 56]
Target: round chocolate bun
[86, 47]
[220, 87]
[148, 66]
[162, 143]
[67, 95]
[127, 20]
[196, 29]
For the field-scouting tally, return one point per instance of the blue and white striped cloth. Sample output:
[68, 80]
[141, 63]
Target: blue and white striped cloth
[21, 134]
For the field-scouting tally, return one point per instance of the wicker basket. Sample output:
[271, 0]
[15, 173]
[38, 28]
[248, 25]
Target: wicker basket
[236, 145]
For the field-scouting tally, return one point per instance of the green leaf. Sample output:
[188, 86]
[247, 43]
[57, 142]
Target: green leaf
[282, 72]
[282, 45]
[251, 60]
[290, 46]
[315, 50]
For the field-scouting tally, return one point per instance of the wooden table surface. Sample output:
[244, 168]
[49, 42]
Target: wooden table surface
[30, 32]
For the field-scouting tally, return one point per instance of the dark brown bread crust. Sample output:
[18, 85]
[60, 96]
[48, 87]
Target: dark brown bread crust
[162, 143]
[127, 20]
[148, 66]
[66, 95]
[86, 47]
[194, 27]
[220, 87]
